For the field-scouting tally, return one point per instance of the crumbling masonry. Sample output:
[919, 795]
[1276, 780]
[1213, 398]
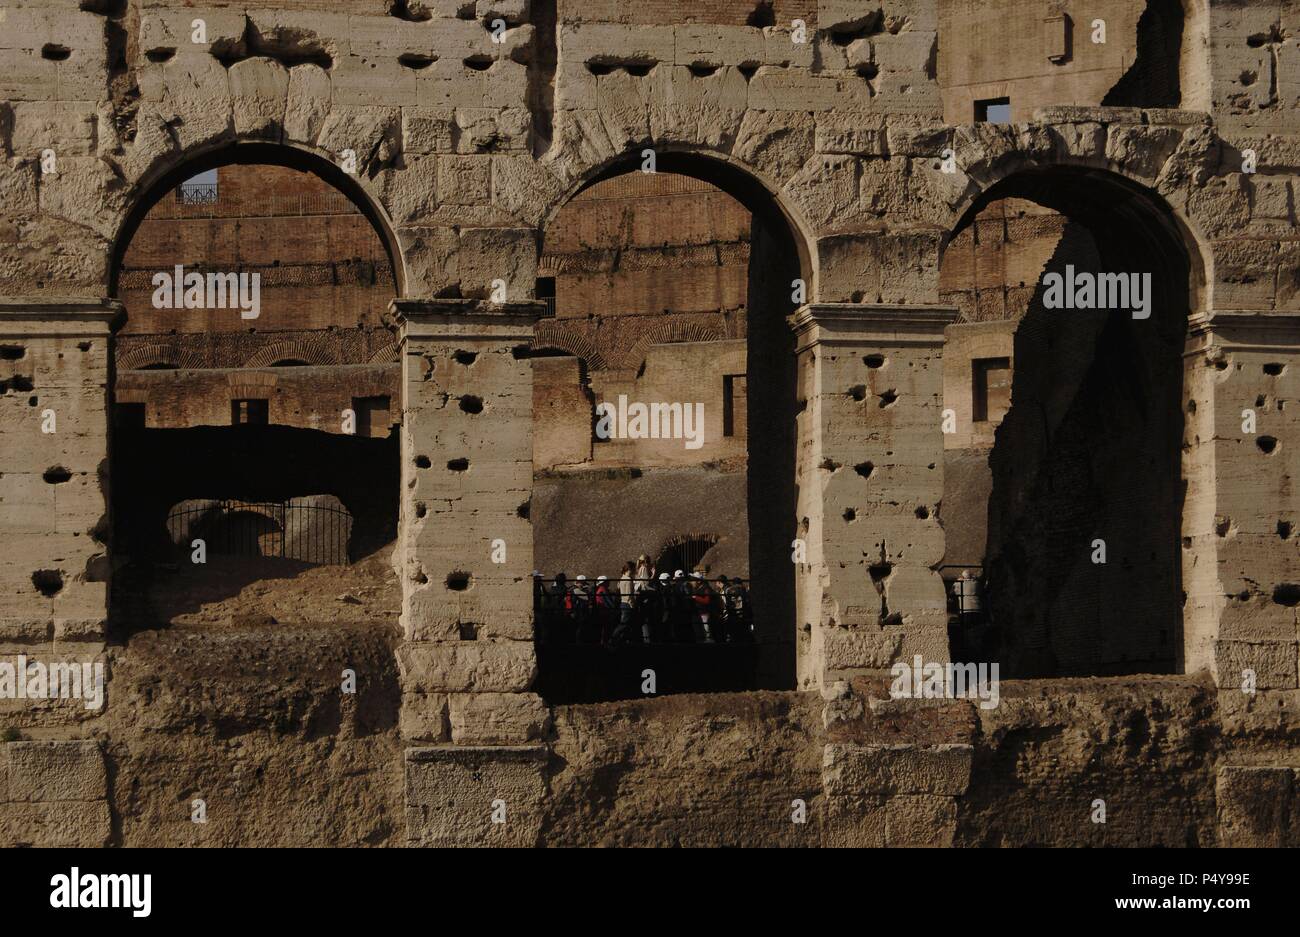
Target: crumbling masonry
[460, 129]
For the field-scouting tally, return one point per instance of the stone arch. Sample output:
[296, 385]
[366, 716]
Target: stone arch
[670, 332]
[741, 181]
[303, 349]
[170, 170]
[580, 346]
[142, 356]
[782, 249]
[1114, 185]
[1093, 444]
[385, 354]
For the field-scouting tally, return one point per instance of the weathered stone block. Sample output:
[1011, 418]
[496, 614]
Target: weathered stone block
[454, 793]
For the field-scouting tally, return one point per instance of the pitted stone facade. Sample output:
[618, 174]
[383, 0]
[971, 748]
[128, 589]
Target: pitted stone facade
[462, 149]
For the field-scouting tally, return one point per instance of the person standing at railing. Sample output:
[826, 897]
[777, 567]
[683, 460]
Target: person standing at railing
[625, 608]
[736, 598]
[580, 609]
[702, 600]
[605, 608]
[555, 599]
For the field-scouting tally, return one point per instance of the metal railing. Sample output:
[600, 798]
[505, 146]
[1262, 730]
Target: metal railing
[687, 610]
[312, 534]
[198, 194]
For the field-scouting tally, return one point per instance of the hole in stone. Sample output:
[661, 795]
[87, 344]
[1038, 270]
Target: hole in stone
[458, 465]
[471, 404]
[868, 72]
[1191, 406]
[923, 512]
[874, 361]
[48, 582]
[599, 68]
[702, 71]
[465, 357]
[55, 52]
[1274, 368]
[420, 577]
[1266, 444]
[1187, 543]
[864, 469]
[416, 61]
[468, 630]
[858, 391]
[1221, 364]
[519, 352]
[524, 509]
[12, 352]
[638, 69]
[1288, 594]
[850, 515]
[748, 70]
[421, 509]
[1284, 529]
[401, 10]
[56, 475]
[85, 346]
[880, 571]
[158, 56]
[18, 382]
[762, 15]
[422, 461]
[31, 401]
[1222, 527]
[457, 581]
[829, 464]
[479, 63]
[888, 397]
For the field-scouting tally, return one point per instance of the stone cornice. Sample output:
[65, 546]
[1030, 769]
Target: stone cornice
[39, 310]
[465, 319]
[1244, 330]
[857, 324]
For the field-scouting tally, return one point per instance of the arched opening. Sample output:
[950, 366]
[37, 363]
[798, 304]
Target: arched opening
[675, 287]
[248, 265]
[1064, 486]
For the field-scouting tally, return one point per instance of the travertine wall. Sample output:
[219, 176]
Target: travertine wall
[465, 149]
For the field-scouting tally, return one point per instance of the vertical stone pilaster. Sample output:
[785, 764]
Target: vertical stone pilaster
[55, 361]
[1241, 548]
[468, 659]
[870, 476]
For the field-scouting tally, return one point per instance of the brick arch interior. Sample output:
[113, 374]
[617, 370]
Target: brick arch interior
[779, 255]
[165, 180]
[1090, 449]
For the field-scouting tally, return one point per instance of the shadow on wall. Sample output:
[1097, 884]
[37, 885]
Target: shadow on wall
[1090, 450]
[1153, 78]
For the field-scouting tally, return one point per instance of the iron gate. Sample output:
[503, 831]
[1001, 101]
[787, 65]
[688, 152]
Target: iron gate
[309, 533]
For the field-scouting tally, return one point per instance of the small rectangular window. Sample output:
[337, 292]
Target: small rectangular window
[735, 405]
[545, 290]
[372, 415]
[991, 393]
[993, 111]
[249, 412]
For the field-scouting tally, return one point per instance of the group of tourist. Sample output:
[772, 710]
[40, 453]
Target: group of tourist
[642, 605]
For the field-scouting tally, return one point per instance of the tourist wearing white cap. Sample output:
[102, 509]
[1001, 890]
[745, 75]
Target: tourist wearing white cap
[581, 603]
